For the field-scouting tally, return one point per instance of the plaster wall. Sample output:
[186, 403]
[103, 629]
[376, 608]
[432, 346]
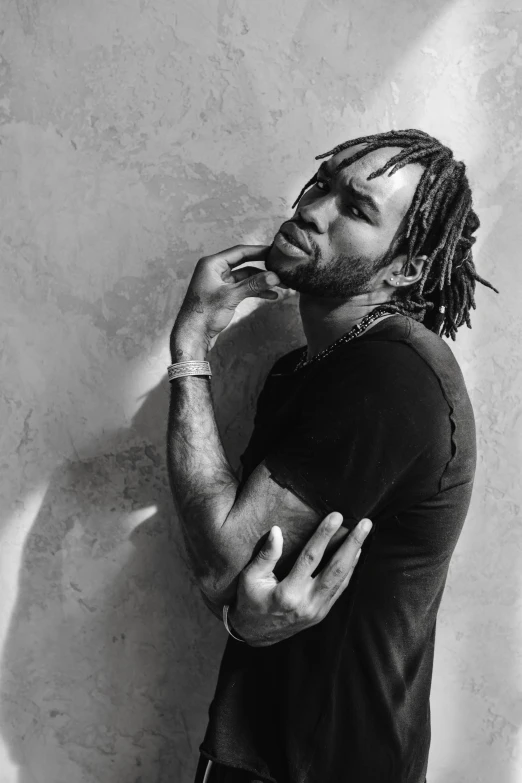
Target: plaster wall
[136, 136]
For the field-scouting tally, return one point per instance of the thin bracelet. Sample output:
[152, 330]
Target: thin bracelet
[227, 626]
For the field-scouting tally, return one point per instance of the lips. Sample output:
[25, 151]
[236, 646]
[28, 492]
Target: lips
[296, 236]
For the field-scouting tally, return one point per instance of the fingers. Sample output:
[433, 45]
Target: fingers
[258, 281]
[265, 561]
[246, 271]
[335, 576]
[255, 283]
[313, 551]
[239, 253]
[238, 275]
[358, 534]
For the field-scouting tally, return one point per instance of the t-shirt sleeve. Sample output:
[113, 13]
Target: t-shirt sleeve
[370, 436]
[263, 405]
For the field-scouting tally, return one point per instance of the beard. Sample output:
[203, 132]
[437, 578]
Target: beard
[342, 278]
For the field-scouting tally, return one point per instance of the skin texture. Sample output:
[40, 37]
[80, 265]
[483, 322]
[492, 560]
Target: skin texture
[267, 610]
[349, 238]
[224, 529]
[347, 274]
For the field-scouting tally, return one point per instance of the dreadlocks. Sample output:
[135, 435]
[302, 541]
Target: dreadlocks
[440, 224]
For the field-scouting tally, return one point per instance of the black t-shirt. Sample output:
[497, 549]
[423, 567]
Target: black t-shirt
[382, 427]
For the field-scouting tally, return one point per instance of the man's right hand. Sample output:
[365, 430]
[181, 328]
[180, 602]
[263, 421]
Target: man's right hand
[266, 610]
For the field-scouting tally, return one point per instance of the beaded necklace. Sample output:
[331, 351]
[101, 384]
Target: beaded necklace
[354, 332]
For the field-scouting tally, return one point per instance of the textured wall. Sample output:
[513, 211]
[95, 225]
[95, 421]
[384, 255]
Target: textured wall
[136, 136]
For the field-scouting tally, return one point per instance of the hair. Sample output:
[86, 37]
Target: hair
[440, 224]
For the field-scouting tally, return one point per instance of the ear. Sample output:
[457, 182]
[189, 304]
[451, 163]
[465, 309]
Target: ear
[402, 273]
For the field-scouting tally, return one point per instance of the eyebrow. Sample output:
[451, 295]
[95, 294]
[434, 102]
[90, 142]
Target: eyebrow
[350, 188]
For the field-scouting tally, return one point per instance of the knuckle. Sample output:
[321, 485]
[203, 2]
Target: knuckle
[357, 539]
[309, 618]
[324, 587]
[305, 613]
[287, 601]
[308, 557]
[332, 592]
[325, 532]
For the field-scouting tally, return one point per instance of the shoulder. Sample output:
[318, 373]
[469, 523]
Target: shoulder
[400, 346]
[397, 365]
[401, 330]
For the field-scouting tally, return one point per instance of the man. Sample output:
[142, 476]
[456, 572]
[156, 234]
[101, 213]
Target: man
[371, 419]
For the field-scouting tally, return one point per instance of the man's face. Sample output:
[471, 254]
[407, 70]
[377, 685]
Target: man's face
[344, 225]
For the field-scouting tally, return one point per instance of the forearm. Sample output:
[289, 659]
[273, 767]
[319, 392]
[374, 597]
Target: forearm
[202, 482]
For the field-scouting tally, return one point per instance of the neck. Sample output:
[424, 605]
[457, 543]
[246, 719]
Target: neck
[325, 320]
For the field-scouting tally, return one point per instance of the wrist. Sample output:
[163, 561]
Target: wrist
[187, 348]
[245, 631]
[235, 623]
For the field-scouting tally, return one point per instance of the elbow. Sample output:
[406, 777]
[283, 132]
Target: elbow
[219, 588]
[207, 577]
[215, 608]
[210, 583]
[209, 586]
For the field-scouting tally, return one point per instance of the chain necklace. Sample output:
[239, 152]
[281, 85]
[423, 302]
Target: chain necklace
[354, 332]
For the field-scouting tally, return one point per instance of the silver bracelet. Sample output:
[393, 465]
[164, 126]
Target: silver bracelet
[227, 626]
[181, 369]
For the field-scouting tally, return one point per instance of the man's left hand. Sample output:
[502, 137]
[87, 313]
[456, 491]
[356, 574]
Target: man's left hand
[215, 291]
[267, 611]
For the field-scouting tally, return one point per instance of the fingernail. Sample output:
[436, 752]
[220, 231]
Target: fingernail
[335, 520]
[272, 279]
[366, 525]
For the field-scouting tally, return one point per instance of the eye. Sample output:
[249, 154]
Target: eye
[356, 212]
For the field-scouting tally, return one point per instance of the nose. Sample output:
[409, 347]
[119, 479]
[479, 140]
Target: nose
[316, 213]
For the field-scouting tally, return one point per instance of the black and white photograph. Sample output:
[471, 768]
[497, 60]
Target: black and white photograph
[261, 391]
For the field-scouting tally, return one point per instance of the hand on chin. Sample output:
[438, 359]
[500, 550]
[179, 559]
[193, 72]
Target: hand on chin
[272, 265]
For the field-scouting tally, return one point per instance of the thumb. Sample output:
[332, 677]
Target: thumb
[264, 562]
[259, 285]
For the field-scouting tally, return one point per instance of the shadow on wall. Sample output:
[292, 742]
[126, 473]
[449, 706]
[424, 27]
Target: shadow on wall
[110, 658]
[111, 654]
